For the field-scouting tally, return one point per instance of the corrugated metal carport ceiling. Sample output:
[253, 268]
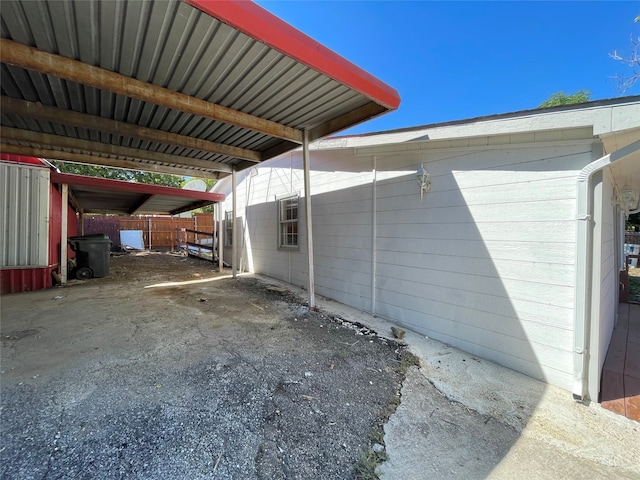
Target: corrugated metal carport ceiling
[101, 195]
[163, 86]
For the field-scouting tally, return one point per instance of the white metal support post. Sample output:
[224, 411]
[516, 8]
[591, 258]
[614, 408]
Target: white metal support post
[307, 210]
[64, 220]
[221, 240]
[214, 236]
[234, 235]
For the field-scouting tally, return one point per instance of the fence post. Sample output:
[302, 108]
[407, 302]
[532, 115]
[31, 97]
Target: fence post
[171, 233]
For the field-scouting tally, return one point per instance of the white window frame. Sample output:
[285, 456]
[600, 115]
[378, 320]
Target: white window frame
[288, 227]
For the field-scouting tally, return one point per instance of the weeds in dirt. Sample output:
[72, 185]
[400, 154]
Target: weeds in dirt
[343, 354]
[407, 360]
[372, 458]
[376, 436]
[369, 461]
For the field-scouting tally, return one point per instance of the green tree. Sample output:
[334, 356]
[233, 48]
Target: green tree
[561, 98]
[120, 174]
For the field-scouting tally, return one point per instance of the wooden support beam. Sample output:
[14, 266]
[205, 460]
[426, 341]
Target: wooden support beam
[366, 112]
[74, 203]
[23, 56]
[58, 141]
[82, 120]
[144, 199]
[109, 162]
[192, 206]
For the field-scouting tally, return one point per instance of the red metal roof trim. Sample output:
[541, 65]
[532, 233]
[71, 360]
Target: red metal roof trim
[119, 185]
[265, 27]
[7, 157]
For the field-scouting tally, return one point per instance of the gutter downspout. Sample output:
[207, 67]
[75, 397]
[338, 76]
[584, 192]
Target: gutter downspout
[584, 266]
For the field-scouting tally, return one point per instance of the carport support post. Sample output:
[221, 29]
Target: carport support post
[64, 220]
[307, 211]
[213, 237]
[220, 238]
[234, 236]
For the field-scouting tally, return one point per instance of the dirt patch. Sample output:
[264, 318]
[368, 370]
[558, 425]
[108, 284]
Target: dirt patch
[169, 369]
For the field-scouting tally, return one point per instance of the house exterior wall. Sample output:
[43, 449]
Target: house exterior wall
[484, 262]
[342, 223]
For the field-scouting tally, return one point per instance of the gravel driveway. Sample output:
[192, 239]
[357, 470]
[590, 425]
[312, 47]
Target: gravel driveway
[167, 369]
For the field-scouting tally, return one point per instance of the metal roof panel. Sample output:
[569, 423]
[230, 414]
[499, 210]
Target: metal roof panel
[233, 54]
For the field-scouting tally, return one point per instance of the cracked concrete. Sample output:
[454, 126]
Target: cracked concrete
[499, 424]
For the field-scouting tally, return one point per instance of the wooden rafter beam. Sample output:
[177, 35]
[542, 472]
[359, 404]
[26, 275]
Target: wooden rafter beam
[192, 206]
[74, 202]
[58, 141]
[23, 56]
[82, 120]
[144, 199]
[366, 112]
[108, 162]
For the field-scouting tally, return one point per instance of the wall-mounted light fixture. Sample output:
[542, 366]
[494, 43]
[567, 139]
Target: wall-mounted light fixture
[629, 198]
[424, 180]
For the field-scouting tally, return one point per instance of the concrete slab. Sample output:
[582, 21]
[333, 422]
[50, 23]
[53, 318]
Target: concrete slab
[507, 425]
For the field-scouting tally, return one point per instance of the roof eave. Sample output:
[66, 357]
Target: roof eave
[265, 27]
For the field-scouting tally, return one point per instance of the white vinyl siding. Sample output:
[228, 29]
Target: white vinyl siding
[485, 261]
[24, 216]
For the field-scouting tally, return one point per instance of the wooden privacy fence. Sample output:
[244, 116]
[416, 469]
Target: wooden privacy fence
[632, 238]
[157, 232]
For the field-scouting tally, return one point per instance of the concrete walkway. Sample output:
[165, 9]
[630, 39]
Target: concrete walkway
[543, 433]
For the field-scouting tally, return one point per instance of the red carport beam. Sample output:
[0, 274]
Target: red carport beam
[259, 24]
[142, 188]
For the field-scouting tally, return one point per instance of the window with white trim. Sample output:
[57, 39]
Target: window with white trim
[288, 222]
[228, 229]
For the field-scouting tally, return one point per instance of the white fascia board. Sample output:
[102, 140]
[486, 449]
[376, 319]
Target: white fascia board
[602, 119]
[618, 119]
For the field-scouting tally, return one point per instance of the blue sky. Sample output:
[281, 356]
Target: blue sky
[456, 60]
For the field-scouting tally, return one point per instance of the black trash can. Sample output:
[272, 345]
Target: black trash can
[92, 255]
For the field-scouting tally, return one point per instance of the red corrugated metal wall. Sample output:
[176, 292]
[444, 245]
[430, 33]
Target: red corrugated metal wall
[25, 279]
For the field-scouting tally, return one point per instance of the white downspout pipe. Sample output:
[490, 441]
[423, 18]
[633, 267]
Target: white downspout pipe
[584, 266]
